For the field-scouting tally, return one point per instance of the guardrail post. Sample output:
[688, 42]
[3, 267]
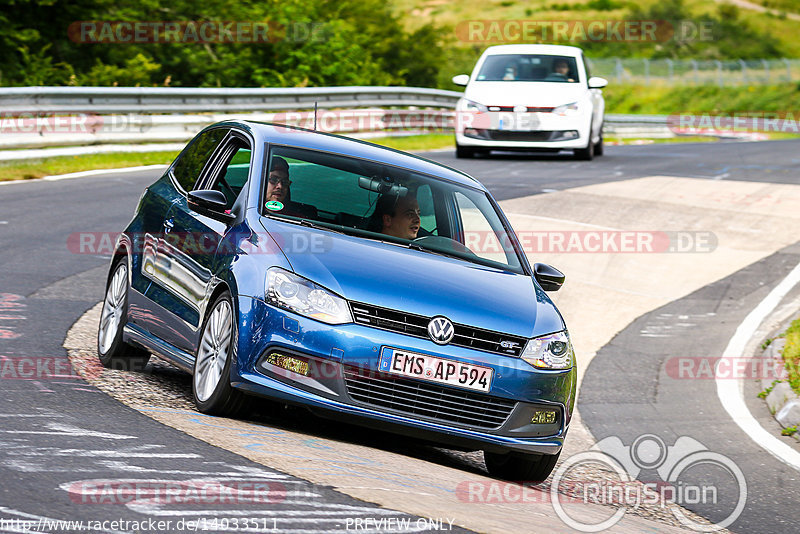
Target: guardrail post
[788, 70]
[744, 70]
[618, 63]
[646, 71]
[719, 73]
[696, 72]
[669, 70]
[766, 68]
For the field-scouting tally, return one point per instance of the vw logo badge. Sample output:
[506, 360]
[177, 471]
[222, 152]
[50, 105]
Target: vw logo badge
[441, 330]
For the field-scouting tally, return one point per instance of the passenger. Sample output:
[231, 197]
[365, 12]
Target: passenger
[398, 217]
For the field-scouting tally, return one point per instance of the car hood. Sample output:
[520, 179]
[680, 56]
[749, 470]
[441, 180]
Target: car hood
[532, 94]
[412, 281]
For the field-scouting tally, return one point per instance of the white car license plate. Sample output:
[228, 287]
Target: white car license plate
[435, 369]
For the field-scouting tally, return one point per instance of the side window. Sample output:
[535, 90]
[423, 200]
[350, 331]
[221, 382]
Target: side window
[192, 160]
[479, 236]
[427, 213]
[233, 176]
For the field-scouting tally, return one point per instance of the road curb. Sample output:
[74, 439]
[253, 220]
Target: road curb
[782, 401]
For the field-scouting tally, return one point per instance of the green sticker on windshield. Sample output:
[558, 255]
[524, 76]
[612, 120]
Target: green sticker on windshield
[274, 205]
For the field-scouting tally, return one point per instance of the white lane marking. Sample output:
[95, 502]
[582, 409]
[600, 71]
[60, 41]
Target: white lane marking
[30, 415]
[83, 174]
[3, 222]
[510, 214]
[731, 392]
[96, 172]
[69, 430]
[102, 454]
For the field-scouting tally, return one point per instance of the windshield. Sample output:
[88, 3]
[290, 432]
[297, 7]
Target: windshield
[380, 202]
[529, 68]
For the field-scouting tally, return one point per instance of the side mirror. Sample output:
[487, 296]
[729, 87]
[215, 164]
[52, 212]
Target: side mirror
[211, 203]
[461, 79]
[596, 82]
[550, 278]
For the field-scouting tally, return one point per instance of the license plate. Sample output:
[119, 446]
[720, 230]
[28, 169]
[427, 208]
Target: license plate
[435, 369]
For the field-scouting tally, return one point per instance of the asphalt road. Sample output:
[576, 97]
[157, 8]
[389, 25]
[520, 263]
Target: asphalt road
[60, 437]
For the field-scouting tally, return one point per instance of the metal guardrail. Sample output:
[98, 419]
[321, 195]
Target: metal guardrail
[106, 100]
[82, 116]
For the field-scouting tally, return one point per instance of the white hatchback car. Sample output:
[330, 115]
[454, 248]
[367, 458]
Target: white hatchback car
[530, 97]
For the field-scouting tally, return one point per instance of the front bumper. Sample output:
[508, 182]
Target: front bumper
[335, 352]
[526, 130]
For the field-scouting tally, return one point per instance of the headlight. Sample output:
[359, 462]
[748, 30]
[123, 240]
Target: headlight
[566, 109]
[553, 351]
[469, 105]
[291, 292]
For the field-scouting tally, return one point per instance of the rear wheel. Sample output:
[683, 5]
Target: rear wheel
[211, 384]
[516, 466]
[111, 350]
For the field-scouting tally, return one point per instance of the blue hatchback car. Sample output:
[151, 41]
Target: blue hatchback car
[366, 284]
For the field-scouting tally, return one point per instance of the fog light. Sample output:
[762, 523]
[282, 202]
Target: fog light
[290, 363]
[544, 417]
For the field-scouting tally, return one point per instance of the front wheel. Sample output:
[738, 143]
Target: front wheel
[211, 384]
[112, 351]
[518, 466]
[465, 152]
[598, 147]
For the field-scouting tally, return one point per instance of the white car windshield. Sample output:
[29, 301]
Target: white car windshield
[529, 68]
[381, 202]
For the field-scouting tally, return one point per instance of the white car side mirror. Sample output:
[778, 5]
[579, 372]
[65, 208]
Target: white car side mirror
[461, 79]
[596, 82]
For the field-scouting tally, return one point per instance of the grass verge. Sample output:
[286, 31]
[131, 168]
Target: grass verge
[791, 355]
[31, 169]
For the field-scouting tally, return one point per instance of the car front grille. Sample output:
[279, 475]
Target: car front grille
[417, 325]
[427, 401]
[529, 109]
[509, 135]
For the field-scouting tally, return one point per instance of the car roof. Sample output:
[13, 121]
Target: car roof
[304, 138]
[560, 50]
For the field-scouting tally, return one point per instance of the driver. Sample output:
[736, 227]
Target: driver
[398, 217]
[561, 67]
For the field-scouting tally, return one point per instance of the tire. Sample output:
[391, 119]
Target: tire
[111, 350]
[463, 152]
[598, 147]
[516, 466]
[585, 154]
[211, 384]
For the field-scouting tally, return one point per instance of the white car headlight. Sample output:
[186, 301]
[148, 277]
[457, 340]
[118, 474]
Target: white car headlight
[291, 292]
[469, 105]
[566, 109]
[553, 351]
